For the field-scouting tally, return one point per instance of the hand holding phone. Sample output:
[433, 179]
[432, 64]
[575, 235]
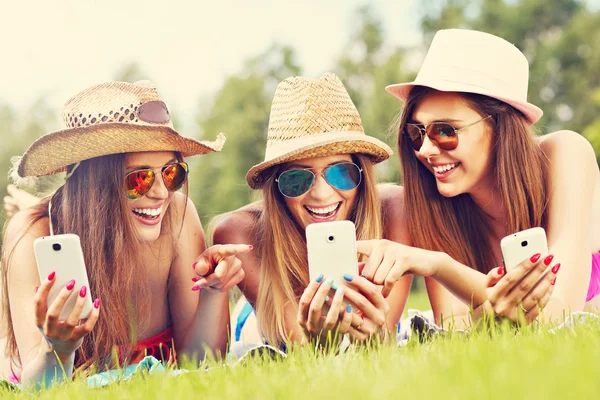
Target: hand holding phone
[62, 254]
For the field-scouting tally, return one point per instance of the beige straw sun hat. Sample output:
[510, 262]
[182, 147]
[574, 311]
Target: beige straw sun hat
[314, 118]
[110, 118]
[462, 60]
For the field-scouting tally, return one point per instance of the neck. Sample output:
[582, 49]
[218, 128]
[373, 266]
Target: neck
[486, 196]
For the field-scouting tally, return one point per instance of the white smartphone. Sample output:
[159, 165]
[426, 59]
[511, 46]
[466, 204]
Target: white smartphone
[332, 250]
[63, 255]
[522, 245]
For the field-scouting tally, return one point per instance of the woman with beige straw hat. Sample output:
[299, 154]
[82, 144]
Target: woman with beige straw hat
[139, 236]
[474, 172]
[318, 167]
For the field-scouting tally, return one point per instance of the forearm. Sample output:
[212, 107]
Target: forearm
[210, 329]
[467, 284]
[47, 368]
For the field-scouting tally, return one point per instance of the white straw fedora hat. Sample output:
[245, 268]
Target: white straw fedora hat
[110, 118]
[461, 60]
[314, 118]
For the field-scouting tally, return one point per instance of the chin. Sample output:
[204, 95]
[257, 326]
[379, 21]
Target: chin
[448, 191]
[148, 235]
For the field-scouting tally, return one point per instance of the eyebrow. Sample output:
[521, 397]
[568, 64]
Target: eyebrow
[449, 120]
[296, 165]
[131, 168]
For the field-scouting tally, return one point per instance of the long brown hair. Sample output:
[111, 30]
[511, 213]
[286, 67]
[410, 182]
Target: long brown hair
[92, 205]
[282, 247]
[457, 226]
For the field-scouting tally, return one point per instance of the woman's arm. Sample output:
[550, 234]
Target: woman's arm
[43, 360]
[200, 318]
[573, 176]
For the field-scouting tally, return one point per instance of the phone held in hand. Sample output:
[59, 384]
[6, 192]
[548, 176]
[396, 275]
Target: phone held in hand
[332, 250]
[522, 245]
[63, 255]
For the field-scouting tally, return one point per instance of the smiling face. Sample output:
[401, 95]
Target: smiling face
[147, 212]
[322, 202]
[466, 169]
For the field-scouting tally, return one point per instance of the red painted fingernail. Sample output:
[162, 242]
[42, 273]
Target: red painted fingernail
[251, 247]
[195, 279]
[500, 270]
[71, 284]
[194, 265]
[82, 291]
[195, 288]
[52, 275]
[548, 259]
[535, 258]
[556, 268]
[36, 288]
[97, 303]
[554, 280]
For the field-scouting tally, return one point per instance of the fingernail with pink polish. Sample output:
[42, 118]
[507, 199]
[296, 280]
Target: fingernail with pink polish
[251, 247]
[97, 303]
[195, 288]
[500, 270]
[556, 268]
[195, 279]
[194, 265]
[548, 259]
[51, 276]
[535, 258]
[71, 284]
[82, 291]
[554, 281]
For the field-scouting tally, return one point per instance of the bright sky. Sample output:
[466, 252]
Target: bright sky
[57, 48]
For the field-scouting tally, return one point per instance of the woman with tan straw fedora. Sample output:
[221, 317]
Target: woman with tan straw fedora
[474, 172]
[139, 236]
[318, 167]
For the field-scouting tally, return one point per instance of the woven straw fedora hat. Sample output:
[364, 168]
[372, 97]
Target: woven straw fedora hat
[461, 60]
[313, 118]
[110, 118]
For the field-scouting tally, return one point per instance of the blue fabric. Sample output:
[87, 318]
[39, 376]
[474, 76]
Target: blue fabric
[241, 320]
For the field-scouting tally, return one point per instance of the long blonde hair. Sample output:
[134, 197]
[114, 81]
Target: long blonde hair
[282, 247]
[92, 205]
[520, 168]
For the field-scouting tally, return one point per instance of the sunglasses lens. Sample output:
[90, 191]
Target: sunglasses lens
[295, 182]
[175, 175]
[444, 135]
[343, 176]
[415, 135]
[139, 183]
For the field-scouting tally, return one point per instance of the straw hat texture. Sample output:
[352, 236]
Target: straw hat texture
[462, 60]
[110, 118]
[313, 118]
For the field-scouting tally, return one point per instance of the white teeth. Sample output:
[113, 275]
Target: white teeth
[153, 212]
[324, 210]
[443, 168]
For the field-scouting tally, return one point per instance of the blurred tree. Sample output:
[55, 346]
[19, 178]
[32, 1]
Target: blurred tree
[366, 67]
[240, 109]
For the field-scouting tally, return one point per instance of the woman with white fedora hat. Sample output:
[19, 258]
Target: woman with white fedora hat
[139, 236]
[474, 171]
[318, 167]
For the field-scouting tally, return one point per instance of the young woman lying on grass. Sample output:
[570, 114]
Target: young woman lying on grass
[474, 171]
[139, 236]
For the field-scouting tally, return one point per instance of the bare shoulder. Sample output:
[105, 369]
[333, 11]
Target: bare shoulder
[20, 227]
[566, 142]
[393, 213]
[239, 226]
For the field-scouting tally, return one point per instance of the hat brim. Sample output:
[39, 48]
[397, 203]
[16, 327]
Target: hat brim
[53, 152]
[401, 91]
[331, 144]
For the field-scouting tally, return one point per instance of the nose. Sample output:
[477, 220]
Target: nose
[158, 189]
[428, 148]
[320, 190]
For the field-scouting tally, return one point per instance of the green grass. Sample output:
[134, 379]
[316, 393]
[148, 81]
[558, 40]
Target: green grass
[496, 364]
